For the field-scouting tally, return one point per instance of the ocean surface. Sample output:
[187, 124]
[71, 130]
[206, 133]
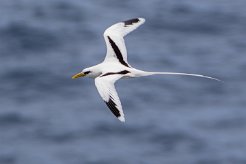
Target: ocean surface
[48, 118]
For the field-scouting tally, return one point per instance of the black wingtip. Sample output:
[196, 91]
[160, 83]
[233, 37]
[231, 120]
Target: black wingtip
[112, 106]
[131, 21]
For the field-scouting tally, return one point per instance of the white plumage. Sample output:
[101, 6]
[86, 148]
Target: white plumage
[115, 66]
[106, 89]
[116, 32]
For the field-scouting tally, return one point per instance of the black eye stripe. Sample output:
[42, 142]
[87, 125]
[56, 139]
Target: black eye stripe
[87, 72]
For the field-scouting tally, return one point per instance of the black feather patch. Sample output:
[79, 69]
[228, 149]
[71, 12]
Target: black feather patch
[87, 72]
[113, 73]
[117, 52]
[112, 106]
[131, 21]
[123, 72]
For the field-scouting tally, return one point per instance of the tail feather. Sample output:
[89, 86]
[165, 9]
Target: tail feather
[178, 73]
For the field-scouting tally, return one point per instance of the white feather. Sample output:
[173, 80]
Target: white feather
[106, 89]
[117, 32]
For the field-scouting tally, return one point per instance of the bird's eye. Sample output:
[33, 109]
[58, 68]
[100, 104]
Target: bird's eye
[87, 72]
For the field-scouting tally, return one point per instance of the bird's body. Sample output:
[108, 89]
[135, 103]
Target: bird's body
[115, 66]
[105, 68]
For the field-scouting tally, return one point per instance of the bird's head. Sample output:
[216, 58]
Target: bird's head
[85, 72]
[91, 72]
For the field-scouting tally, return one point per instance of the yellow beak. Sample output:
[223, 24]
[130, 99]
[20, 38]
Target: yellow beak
[81, 74]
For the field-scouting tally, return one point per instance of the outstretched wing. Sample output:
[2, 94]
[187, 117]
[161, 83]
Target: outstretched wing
[106, 89]
[114, 38]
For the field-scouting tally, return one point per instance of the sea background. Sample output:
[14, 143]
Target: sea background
[48, 118]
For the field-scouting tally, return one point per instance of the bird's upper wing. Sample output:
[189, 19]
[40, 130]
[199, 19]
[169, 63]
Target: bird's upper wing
[106, 89]
[116, 49]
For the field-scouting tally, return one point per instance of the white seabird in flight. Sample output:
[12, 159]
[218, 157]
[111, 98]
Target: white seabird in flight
[115, 66]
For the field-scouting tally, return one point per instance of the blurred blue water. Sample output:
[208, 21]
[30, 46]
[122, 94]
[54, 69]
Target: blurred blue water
[45, 117]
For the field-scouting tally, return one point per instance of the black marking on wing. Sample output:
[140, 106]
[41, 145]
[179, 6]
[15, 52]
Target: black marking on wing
[112, 106]
[117, 52]
[131, 21]
[113, 73]
[124, 72]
